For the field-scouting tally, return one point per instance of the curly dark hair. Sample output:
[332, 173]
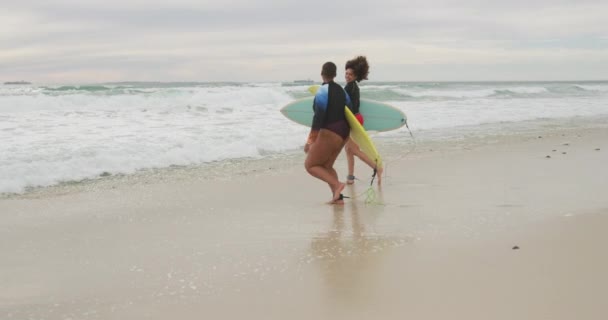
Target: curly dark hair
[359, 66]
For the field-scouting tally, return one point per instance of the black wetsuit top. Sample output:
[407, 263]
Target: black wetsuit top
[328, 106]
[353, 92]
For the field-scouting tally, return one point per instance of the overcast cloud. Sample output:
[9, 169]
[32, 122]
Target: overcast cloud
[96, 41]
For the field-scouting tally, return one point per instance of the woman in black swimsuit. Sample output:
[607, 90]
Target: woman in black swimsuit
[356, 71]
[328, 133]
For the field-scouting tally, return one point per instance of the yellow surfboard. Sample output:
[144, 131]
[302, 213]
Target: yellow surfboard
[360, 136]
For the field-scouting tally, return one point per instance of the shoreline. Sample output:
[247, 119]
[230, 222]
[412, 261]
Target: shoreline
[391, 148]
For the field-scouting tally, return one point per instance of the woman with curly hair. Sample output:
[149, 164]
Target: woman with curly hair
[357, 70]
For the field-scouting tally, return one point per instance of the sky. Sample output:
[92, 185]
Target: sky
[67, 41]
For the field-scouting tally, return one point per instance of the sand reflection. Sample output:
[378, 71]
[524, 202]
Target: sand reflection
[350, 254]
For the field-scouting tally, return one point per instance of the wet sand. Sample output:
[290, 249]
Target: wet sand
[495, 231]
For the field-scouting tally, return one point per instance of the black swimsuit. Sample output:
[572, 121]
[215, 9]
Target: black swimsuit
[353, 92]
[328, 107]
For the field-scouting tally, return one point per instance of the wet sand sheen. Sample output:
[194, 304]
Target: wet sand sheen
[266, 246]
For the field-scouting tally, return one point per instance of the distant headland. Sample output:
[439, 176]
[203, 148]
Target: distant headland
[298, 83]
[17, 82]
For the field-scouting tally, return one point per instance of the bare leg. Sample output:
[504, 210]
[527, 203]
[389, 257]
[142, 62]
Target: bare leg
[330, 167]
[320, 159]
[353, 149]
[350, 159]
[332, 160]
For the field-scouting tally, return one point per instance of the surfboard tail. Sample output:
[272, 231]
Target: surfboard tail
[360, 136]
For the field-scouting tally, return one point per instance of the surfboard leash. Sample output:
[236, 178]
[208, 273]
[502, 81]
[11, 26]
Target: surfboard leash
[408, 129]
[370, 196]
[370, 192]
[407, 153]
[374, 174]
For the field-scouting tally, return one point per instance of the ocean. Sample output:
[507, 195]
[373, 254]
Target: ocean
[53, 134]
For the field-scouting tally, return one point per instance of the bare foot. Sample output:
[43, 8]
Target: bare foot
[338, 192]
[338, 202]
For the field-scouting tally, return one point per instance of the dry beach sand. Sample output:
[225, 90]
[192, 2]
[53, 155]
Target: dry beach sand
[493, 230]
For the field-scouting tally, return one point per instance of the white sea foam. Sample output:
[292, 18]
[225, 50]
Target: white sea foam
[453, 114]
[67, 133]
[473, 91]
[49, 139]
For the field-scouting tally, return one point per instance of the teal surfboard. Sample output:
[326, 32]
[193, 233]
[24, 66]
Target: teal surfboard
[377, 116]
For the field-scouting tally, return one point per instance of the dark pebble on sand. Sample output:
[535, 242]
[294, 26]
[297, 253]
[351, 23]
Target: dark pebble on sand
[554, 150]
[548, 156]
[566, 144]
[516, 248]
[563, 152]
[598, 149]
[540, 137]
